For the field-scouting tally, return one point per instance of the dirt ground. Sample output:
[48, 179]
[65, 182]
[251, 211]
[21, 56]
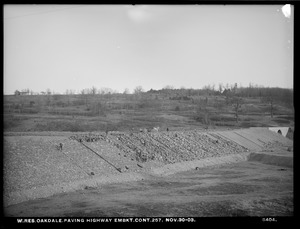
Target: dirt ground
[238, 189]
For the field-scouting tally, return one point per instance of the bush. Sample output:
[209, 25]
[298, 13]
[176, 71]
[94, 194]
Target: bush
[9, 123]
[30, 110]
[146, 103]
[221, 118]
[31, 104]
[78, 102]
[224, 124]
[180, 98]
[203, 117]
[60, 104]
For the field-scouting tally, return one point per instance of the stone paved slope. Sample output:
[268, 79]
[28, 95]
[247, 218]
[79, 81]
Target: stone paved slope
[33, 162]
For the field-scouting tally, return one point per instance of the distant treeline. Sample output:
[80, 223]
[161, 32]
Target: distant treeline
[280, 95]
[99, 109]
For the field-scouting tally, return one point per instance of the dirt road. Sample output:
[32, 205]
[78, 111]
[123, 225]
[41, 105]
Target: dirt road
[240, 189]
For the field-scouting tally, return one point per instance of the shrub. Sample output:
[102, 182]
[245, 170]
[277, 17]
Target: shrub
[30, 110]
[31, 104]
[60, 104]
[203, 117]
[78, 102]
[9, 123]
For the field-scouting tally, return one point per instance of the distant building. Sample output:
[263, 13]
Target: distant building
[24, 93]
[21, 92]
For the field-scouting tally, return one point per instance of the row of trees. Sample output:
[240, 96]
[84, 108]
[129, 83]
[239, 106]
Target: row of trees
[86, 91]
[137, 90]
[250, 91]
[201, 101]
[265, 93]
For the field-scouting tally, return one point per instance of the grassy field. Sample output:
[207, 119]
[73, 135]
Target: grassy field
[132, 112]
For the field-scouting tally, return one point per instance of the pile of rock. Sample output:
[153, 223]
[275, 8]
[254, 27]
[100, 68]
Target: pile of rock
[177, 152]
[87, 138]
[155, 150]
[132, 146]
[166, 146]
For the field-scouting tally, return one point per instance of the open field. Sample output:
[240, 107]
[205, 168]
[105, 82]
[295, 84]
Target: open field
[127, 112]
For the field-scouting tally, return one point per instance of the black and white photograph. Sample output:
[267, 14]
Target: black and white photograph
[148, 113]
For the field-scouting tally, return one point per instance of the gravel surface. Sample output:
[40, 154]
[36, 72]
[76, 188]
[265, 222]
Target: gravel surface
[31, 161]
[34, 160]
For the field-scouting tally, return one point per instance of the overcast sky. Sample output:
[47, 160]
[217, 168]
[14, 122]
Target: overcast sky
[122, 46]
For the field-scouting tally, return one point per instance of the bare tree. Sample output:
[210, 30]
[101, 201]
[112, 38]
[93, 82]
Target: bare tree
[93, 90]
[237, 104]
[169, 87]
[138, 90]
[105, 90]
[84, 95]
[271, 106]
[235, 88]
[168, 90]
[227, 86]
[17, 92]
[270, 100]
[220, 87]
[48, 98]
[207, 89]
[203, 114]
[48, 91]
[86, 91]
[126, 91]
